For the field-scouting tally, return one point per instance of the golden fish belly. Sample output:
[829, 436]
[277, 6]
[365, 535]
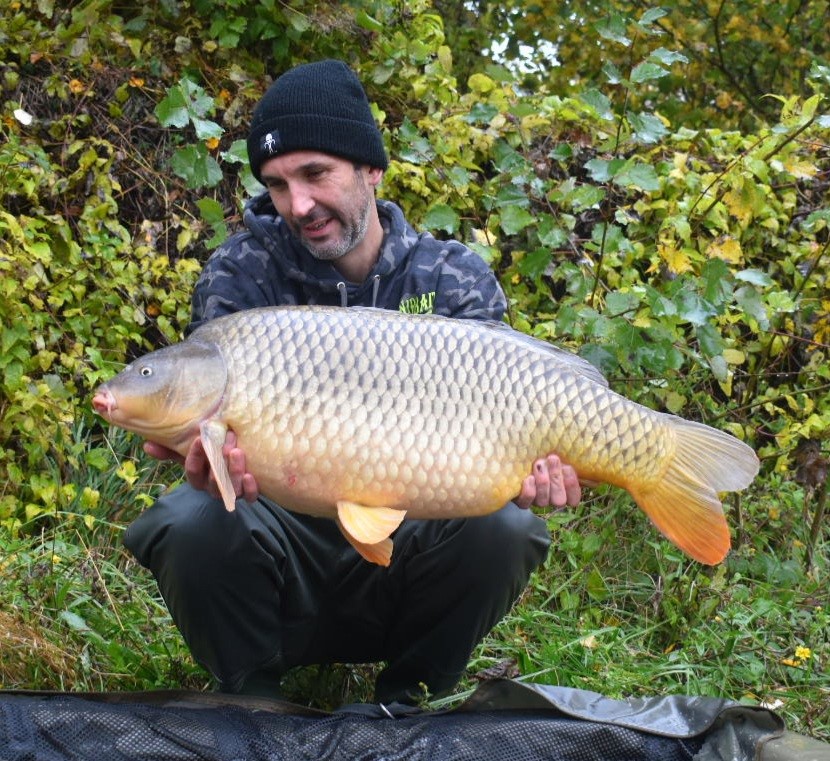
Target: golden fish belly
[422, 420]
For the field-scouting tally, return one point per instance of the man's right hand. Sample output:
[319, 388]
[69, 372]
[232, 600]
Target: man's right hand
[197, 467]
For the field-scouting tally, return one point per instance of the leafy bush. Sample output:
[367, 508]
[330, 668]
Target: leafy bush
[626, 215]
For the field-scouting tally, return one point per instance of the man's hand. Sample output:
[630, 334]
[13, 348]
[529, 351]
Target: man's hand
[551, 484]
[197, 468]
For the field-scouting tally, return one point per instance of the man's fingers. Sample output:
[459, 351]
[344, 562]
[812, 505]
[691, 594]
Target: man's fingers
[528, 493]
[571, 486]
[250, 489]
[544, 486]
[196, 466]
[236, 468]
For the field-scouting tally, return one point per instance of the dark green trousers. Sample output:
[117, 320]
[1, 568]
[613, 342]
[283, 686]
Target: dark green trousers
[261, 589]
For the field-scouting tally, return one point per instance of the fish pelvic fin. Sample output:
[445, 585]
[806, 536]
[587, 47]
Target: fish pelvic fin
[213, 433]
[684, 503]
[368, 529]
[369, 525]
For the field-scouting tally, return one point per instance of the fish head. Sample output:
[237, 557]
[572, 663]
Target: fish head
[165, 395]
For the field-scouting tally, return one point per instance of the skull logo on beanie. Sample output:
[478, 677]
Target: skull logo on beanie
[319, 107]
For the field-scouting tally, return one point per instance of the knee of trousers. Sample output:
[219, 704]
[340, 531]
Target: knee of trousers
[186, 529]
[506, 545]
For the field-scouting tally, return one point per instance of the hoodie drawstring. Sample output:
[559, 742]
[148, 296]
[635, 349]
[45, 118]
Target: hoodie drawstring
[344, 293]
[375, 288]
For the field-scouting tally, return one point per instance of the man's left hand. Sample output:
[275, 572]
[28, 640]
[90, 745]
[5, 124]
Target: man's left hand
[550, 484]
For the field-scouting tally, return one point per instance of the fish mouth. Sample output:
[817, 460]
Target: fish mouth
[104, 402]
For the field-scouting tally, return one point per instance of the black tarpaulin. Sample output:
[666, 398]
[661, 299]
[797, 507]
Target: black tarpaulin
[502, 721]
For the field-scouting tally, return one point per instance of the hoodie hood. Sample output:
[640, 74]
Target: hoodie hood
[317, 278]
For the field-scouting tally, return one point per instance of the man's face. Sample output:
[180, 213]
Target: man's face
[325, 200]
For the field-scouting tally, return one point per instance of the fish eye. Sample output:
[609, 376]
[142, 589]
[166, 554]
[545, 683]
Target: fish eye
[146, 371]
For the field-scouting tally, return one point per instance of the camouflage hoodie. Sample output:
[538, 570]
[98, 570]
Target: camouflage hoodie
[266, 265]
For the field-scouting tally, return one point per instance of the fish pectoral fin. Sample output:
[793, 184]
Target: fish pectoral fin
[368, 525]
[213, 435]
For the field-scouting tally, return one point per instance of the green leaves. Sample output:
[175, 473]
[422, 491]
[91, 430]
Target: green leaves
[186, 103]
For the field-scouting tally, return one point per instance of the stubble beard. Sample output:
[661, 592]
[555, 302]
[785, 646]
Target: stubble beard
[354, 222]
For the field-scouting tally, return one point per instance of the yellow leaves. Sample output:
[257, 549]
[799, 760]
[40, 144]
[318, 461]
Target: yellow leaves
[726, 248]
[90, 498]
[679, 161]
[481, 83]
[734, 356]
[127, 472]
[744, 200]
[674, 258]
[801, 170]
[723, 100]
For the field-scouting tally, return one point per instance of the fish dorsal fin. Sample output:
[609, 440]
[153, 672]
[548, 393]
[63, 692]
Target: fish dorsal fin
[213, 440]
[367, 529]
[368, 525]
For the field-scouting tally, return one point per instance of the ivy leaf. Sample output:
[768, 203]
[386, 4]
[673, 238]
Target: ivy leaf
[196, 166]
[600, 357]
[599, 102]
[213, 213]
[613, 28]
[534, 264]
[647, 128]
[514, 219]
[755, 277]
[750, 303]
[694, 309]
[586, 197]
[205, 128]
[646, 71]
[638, 175]
[172, 110]
[442, 217]
[184, 101]
[612, 73]
[710, 339]
[650, 16]
[600, 170]
[667, 57]
[619, 302]
[551, 234]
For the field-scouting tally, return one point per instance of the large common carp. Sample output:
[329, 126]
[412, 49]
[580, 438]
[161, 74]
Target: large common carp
[366, 415]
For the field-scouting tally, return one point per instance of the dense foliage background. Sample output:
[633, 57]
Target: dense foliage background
[652, 186]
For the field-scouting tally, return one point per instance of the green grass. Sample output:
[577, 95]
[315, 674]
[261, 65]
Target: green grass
[615, 609]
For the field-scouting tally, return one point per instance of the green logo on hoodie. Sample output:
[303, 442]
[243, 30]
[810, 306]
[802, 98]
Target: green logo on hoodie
[422, 304]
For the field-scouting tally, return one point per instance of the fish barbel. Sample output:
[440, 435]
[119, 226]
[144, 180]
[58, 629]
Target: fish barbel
[367, 415]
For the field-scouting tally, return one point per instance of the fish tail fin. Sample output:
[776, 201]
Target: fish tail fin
[684, 503]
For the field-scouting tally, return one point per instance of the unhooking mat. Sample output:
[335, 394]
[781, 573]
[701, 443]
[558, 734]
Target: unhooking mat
[502, 721]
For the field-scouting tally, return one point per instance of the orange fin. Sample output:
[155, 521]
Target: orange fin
[368, 525]
[684, 503]
[213, 439]
[368, 529]
[379, 553]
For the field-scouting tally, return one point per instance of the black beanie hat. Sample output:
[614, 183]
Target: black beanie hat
[318, 107]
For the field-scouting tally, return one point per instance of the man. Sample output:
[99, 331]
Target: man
[259, 590]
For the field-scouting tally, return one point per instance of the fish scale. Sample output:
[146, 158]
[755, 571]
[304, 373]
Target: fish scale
[366, 416]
